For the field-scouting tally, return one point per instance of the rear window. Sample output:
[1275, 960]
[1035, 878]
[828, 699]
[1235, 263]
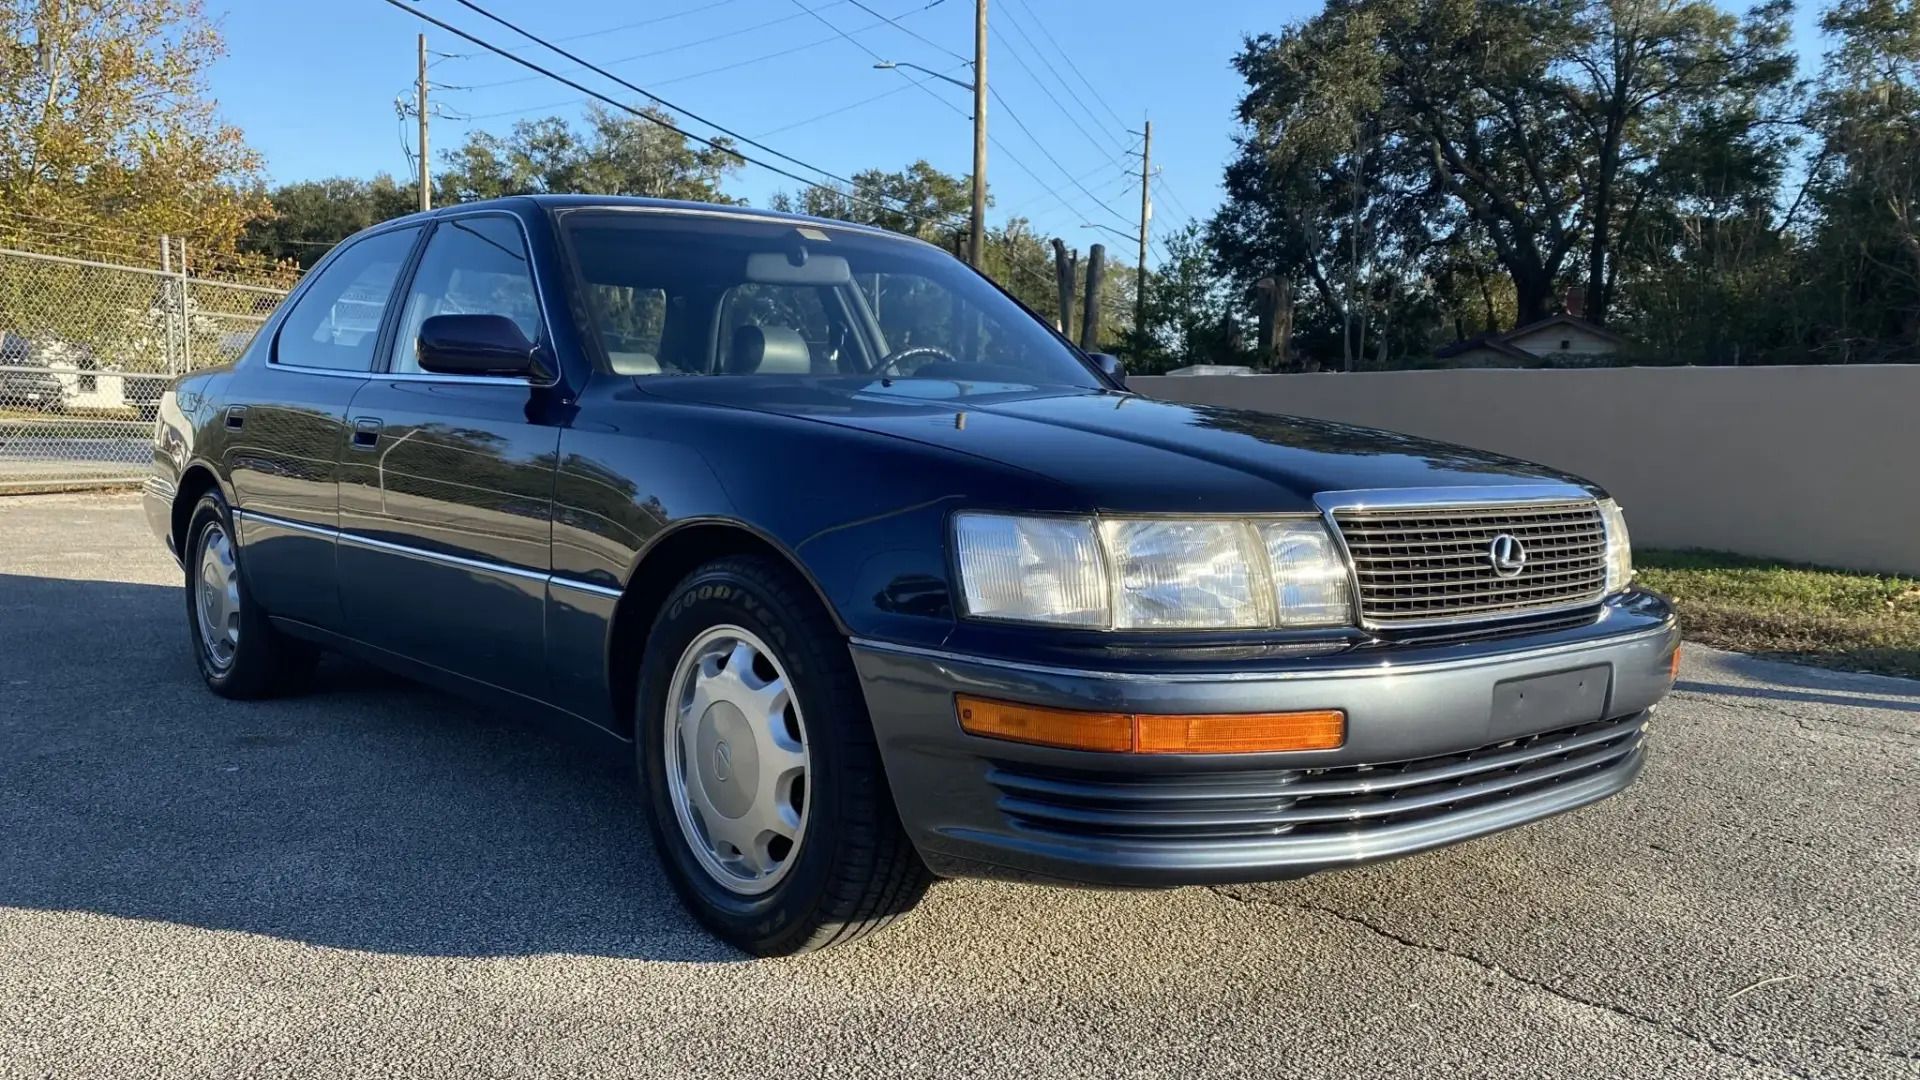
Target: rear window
[335, 323]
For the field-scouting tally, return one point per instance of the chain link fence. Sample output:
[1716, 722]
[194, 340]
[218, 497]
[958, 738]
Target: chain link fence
[87, 349]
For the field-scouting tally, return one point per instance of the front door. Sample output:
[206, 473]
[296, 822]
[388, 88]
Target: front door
[446, 496]
[283, 427]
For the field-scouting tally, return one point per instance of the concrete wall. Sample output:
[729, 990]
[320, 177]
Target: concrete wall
[1814, 464]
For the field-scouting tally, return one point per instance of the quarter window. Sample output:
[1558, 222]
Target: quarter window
[336, 322]
[472, 266]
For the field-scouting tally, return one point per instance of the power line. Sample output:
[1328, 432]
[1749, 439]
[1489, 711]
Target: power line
[499, 51]
[690, 76]
[877, 58]
[1068, 57]
[1064, 111]
[605, 30]
[649, 95]
[997, 145]
[1048, 154]
[649, 54]
[1166, 189]
[901, 89]
[909, 31]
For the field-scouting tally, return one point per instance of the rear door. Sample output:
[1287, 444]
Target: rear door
[282, 426]
[446, 502]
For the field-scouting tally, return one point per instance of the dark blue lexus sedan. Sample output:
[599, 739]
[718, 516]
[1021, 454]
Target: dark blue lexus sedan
[879, 576]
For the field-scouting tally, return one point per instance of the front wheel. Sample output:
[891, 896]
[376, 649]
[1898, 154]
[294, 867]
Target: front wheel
[239, 652]
[767, 800]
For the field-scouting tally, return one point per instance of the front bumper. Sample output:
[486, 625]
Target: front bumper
[1442, 745]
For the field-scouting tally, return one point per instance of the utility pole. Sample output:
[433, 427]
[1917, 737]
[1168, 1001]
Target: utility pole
[420, 106]
[1146, 216]
[977, 237]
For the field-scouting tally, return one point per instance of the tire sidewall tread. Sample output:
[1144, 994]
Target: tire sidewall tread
[856, 869]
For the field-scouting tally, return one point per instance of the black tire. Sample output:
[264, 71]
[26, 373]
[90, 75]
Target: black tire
[854, 871]
[264, 662]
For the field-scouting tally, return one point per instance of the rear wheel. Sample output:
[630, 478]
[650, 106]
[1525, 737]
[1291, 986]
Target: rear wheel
[239, 652]
[768, 803]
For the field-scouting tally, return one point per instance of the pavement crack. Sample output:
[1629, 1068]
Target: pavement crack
[1529, 982]
[1827, 725]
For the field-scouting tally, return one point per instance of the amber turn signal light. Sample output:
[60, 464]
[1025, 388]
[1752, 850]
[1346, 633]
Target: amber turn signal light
[1673, 665]
[1148, 733]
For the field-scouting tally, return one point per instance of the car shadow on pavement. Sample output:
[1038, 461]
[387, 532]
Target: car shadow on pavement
[1775, 693]
[368, 813]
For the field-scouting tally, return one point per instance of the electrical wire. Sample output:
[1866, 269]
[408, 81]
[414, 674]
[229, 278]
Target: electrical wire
[991, 139]
[909, 31]
[651, 53]
[1014, 115]
[1051, 96]
[690, 76]
[901, 89]
[1068, 57]
[605, 30]
[704, 141]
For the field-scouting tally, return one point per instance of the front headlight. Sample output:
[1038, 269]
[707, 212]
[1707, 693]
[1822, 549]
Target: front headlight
[1151, 573]
[1619, 548]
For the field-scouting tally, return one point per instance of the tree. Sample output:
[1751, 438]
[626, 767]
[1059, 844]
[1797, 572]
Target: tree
[105, 120]
[1188, 311]
[616, 154]
[1867, 184]
[919, 200]
[1510, 123]
[311, 216]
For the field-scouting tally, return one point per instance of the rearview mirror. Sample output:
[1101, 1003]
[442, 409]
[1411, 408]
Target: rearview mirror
[477, 345]
[1111, 367]
[780, 268]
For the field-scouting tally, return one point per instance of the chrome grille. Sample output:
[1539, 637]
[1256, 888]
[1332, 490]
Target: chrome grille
[1433, 564]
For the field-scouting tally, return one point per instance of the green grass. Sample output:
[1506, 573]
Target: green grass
[1834, 618]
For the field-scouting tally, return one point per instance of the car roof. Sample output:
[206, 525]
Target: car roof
[521, 203]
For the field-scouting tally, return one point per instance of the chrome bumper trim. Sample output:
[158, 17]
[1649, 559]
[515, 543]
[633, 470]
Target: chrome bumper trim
[1332, 667]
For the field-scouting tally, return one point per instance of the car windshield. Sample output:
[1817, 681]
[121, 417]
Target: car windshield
[712, 295]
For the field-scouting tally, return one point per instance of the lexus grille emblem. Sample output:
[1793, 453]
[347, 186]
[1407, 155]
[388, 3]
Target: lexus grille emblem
[1507, 555]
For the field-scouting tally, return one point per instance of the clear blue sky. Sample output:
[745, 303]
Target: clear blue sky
[313, 87]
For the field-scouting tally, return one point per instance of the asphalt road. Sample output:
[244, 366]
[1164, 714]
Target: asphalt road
[377, 880]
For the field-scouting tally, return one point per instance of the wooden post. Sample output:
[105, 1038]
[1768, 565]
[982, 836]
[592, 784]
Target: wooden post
[1274, 301]
[1063, 268]
[1090, 319]
[1283, 320]
[1263, 294]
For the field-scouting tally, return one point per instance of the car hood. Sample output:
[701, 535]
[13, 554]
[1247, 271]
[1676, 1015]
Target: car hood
[1122, 452]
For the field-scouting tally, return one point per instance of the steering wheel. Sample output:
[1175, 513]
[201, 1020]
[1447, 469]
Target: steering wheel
[910, 352]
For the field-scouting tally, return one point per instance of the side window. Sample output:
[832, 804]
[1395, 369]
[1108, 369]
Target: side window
[632, 323]
[792, 311]
[472, 266]
[336, 322]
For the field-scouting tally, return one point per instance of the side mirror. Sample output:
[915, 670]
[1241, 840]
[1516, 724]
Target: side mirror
[477, 345]
[1111, 367]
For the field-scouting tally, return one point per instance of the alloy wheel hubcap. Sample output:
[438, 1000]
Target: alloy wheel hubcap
[217, 596]
[737, 762]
